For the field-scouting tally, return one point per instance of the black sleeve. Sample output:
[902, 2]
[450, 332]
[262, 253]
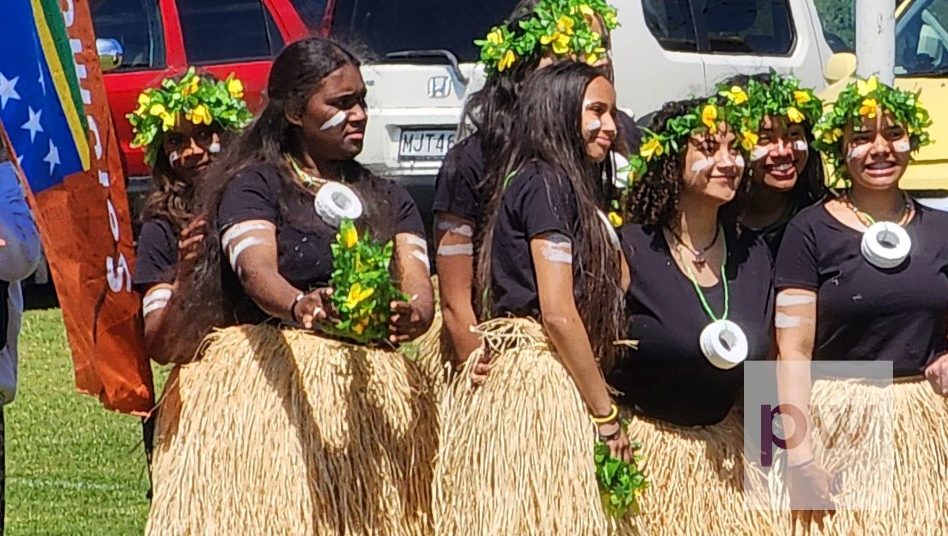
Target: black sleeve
[251, 195]
[544, 205]
[156, 254]
[407, 218]
[796, 265]
[456, 187]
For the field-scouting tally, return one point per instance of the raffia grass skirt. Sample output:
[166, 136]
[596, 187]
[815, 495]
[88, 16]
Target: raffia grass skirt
[697, 476]
[431, 351]
[280, 431]
[888, 447]
[516, 454]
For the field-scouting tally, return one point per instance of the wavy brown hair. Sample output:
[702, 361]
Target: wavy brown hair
[548, 129]
[296, 75]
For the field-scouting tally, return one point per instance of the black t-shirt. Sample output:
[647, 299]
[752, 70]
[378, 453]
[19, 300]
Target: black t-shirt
[537, 201]
[156, 255]
[866, 313]
[304, 254]
[457, 187]
[666, 376]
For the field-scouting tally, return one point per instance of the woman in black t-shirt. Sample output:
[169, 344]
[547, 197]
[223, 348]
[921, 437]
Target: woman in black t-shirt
[699, 304]
[463, 188]
[170, 236]
[276, 427]
[549, 269]
[785, 175]
[864, 278]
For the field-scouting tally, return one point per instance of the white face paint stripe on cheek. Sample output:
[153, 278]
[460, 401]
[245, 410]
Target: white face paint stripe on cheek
[858, 151]
[702, 165]
[800, 145]
[739, 161]
[456, 250]
[337, 119]
[594, 125]
[214, 147]
[902, 146]
[759, 152]
[173, 157]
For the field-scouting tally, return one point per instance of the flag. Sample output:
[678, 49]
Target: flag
[55, 117]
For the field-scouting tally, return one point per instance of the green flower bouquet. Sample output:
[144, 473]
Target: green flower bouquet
[620, 482]
[362, 286]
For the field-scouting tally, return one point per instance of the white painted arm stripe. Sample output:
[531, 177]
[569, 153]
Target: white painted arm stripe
[417, 241]
[152, 306]
[457, 229]
[788, 300]
[456, 249]
[241, 246]
[236, 230]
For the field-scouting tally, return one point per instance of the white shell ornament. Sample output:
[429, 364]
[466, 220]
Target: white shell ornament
[724, 344]
[886, 244]
[335, 202]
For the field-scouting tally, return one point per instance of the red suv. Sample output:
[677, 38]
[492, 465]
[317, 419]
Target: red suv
[157, 39]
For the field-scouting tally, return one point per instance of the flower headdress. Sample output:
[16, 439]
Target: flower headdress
[558, 26]
[199, 99]
[866, 99]
[781, 97]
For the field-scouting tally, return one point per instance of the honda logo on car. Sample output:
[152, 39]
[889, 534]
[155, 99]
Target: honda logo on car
[439, 87]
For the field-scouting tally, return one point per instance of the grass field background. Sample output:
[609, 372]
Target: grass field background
[72, 467]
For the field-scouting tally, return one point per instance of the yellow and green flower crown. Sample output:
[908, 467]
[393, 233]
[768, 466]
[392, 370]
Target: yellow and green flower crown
[866, 99]
[199, 99]
[671, 140]
[781, 97]
[562, 27]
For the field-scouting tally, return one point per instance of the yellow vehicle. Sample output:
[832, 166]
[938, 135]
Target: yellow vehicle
[921, 63]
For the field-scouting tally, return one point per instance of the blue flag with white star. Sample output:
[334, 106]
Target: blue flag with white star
[40, 103]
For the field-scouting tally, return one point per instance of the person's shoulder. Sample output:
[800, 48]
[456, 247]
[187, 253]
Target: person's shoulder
[157, 226]
[811, 217]
[638, 236]
[466, 151]
[932, 216]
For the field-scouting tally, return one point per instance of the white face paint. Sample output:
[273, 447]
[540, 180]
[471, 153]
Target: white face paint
[800, 145]
[173, 157]
[789, 300]
[594, 125]
[759, 152]
[214, 147]
[337, 119]
[739, 161]
[702, 165]
[858, 151]
[902, 146]
[456, 250]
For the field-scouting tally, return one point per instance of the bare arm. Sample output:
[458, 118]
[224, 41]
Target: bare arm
[795, 321]
[411, 319]
[455, 261]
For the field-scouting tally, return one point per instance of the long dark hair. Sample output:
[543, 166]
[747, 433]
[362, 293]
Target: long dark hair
[548, 129]
[654, 197]
[811, 183]
[296, 75]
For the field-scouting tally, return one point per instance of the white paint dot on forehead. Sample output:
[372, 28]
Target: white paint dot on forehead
[337, 119]
[759, 152]
[703, 164]
[858, 151]
[902, 146]
[800, 145]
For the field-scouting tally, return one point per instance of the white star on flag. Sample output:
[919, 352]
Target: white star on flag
[33, 125]
[52, 157]
[8, 90]
[42, 79]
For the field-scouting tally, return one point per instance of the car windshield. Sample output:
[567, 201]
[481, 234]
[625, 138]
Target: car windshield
[376, 28]
[921, 43]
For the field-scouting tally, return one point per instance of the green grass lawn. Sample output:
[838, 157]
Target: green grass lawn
[72, 467]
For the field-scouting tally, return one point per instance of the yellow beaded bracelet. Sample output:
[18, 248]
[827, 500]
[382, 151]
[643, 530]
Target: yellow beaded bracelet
[613, 414]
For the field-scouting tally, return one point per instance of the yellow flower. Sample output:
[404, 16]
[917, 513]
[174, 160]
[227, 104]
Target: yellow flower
[865, 87]
[157, 110]
[350, 237]
[236, 88]
[565, 25]
[615, 219]
[868, 108]
[749, 140]
[561, 44]
[736, 95]
[651, 148]
[495, 37]
[361, 325]
[507, 60]
[794, 115]
[192, 87]
[357, 295]
[199, 114]
[167, 121]
[831, 136]
[586, 10]
[709, 116]
[802, 97]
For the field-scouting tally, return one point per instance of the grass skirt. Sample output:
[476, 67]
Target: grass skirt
[516, 454]
[697, 478]
[286, 432]
[895, 485]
